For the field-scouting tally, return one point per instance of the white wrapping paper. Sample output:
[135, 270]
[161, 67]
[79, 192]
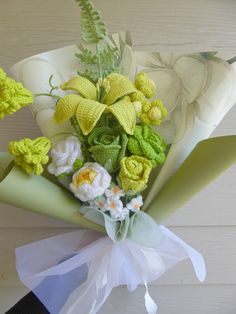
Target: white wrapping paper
[75, 272]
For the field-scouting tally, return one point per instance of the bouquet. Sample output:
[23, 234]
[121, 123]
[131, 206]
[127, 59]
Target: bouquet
[124, 145]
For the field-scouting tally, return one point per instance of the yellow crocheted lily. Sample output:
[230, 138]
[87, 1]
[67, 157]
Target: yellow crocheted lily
[31, 155]
[88, 109]
[13, 95]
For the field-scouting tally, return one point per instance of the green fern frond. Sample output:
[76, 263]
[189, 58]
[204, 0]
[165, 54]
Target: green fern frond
[93, 29]
[86, 57]
[109, 58]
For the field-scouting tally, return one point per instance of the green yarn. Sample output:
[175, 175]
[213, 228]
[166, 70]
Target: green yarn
[134, 173]
[31, 155]
[153, 113]
[108, 146]
[13, 95]
[146, 142]
[145, 85]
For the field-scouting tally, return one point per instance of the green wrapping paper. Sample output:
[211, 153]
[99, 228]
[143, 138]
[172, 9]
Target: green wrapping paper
[207, 161]
[37, 194]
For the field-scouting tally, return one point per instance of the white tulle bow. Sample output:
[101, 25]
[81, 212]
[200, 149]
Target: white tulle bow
[75, 272]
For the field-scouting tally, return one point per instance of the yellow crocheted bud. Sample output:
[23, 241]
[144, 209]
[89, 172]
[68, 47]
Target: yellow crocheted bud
[145, 85]
[154, 114]
[13, 95]
[134, 173]
[31, 155]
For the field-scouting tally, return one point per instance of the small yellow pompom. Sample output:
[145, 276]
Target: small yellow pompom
[13, 95]
[31, 155]
[154, 114]
[145, 85]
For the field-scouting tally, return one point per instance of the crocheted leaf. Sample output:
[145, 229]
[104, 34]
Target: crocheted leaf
[125, 113]
[93, 29]
[66, 108]
[81, 85]
[88, 114]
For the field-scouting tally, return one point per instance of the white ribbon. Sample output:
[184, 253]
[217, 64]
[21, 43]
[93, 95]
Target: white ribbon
[77, 271]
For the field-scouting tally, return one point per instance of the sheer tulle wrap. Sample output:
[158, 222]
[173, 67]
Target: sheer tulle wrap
[77, 271]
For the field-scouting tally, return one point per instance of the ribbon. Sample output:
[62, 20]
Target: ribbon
[78, 270]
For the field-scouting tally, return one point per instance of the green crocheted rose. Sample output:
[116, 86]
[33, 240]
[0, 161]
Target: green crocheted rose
[108, 146]
[146, 142]
[134, 173]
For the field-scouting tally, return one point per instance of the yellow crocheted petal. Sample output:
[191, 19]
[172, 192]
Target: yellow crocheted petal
[145, 85]
[66, 108]
[88, 113]
[2, 74]
[125, 113]
[30, 154]
[81, 85]
[120, 86]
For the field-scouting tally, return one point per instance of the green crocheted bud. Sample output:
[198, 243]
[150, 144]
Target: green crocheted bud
[31, 155]
[145, 85]
[13, 95]
[108, 146]
[134, 173]
[153, 114]
[146, 142]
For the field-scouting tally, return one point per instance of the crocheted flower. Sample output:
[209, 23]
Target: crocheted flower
[115, 192]
[145, 85]
[146, 142]
[135, 204]
[100, 203]
[66, 156]
[134, 173]
[13, 95]
[31, 155]
[116, 208]
[153, 113]
[88, 107]
[90, 181]
[108, 146]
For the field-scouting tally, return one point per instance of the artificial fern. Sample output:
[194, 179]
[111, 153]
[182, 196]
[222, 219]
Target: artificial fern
[109, 58]
[93, 29]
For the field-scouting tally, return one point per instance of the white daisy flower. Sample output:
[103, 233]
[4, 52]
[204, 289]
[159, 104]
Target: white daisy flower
[116, 208]
[115, 191]
[99, 203]
[135, 204]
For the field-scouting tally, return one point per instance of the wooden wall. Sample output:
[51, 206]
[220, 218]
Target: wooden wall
[207, 222]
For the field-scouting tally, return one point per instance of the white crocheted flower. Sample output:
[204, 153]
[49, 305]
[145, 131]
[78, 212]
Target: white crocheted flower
[116, 208]
[99, 203]
[91, 181]
[135, 204]
[115, 191]
[64, 155]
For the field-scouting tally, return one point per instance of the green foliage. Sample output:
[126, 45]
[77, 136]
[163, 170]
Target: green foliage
[108, 58]
[93, 29]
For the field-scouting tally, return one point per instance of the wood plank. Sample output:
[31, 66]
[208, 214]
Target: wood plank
[171, 300]
[217, 245]
[164, 25]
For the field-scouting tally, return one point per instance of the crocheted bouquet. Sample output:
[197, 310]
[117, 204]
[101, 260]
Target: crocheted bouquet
[119, 154]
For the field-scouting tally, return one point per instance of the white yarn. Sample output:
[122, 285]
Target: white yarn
[64, 154]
